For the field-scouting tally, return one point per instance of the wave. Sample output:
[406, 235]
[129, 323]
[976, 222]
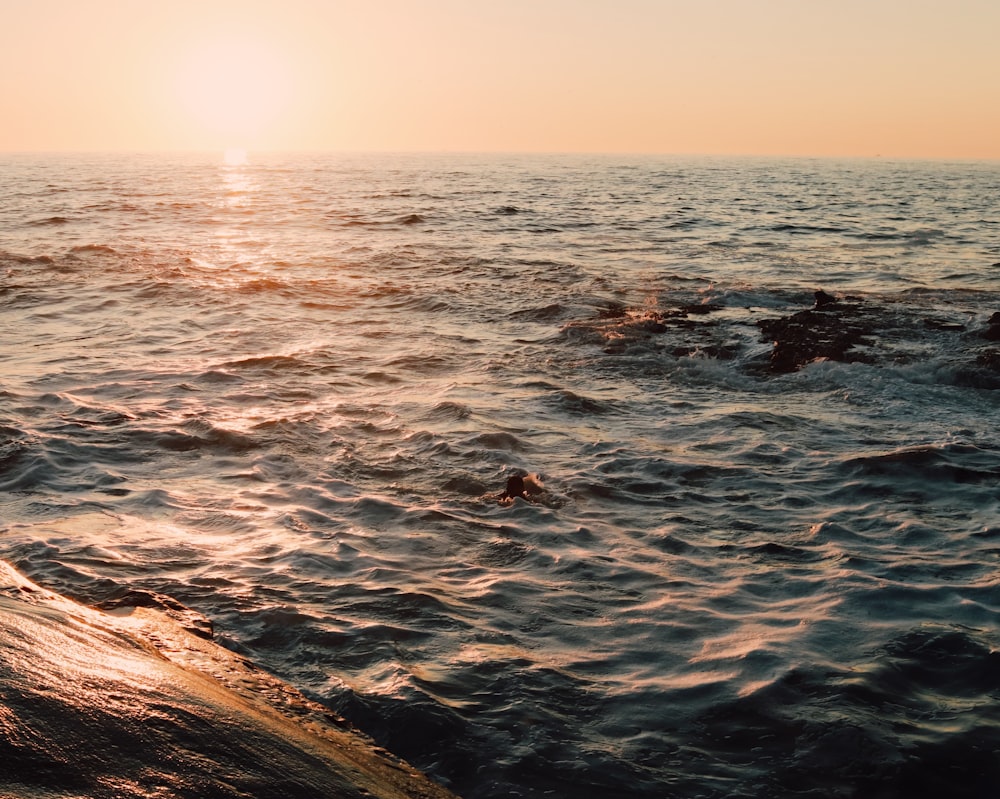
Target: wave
[267, 363]
[450, 411]
[547, 313]
[22, 467]
[958, 463]
[505, 442]
[93, 249]
[886, 728]
[264, 284]
[422, 364]
[923, 237]
[199, 436]
[574, 404]
[25, 260]
[792, 228]
[357, 220]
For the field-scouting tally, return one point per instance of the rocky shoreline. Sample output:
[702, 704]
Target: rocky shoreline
[134, 703]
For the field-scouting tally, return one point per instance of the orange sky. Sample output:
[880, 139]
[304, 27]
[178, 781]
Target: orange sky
[897, 78]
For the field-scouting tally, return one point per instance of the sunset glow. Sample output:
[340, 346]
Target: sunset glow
[233, 90]
[235, 156]
[770, 77]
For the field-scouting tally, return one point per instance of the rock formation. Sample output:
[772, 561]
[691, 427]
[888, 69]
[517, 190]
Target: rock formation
[129, 703]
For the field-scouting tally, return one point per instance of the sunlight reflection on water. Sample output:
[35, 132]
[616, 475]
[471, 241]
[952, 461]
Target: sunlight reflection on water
[291, 389]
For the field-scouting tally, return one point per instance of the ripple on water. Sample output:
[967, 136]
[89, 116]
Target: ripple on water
[738, 584]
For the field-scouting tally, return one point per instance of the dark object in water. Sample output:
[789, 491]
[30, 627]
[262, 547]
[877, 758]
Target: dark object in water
[815, 334]
[992, 333]
[529, 487]
[938, 324]
[515, 488]
[822, 298]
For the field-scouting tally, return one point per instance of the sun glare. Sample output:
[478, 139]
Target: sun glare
[234, 91]
[235, 156]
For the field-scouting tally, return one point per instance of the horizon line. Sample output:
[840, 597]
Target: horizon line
[495, 152]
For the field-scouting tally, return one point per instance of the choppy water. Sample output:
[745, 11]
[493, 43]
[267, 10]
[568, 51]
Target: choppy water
[287, 393]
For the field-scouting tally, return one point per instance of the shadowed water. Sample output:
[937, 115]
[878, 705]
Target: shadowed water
[288, 393]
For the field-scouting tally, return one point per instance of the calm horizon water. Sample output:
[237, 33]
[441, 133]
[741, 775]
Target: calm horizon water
[287, 393]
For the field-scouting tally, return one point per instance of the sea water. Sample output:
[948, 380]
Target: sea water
[288, 392]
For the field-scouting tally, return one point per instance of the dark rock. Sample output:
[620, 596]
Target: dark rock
[990, 359]
[813, 335]
[823, 299]
[106, 705]
[700, 310]
[937, 324]
[846, 328]
[992, 333]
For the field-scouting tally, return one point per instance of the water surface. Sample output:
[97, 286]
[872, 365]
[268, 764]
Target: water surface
[286, 393]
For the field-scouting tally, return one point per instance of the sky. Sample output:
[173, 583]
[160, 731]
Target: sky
[890, 78]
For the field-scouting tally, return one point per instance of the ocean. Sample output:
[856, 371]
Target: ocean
[287, 392]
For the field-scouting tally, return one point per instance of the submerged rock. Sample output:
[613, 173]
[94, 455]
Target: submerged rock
[823, 299]
[619, 328]
[992, 331]
[129, 703]
[989, 360]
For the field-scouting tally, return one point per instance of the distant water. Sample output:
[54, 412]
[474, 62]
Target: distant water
[286, 393]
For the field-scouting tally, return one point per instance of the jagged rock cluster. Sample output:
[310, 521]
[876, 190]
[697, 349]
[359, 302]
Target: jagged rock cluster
[844, 329]
[833, 329]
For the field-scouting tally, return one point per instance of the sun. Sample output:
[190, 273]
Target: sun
[235, 156]
[233, 90]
